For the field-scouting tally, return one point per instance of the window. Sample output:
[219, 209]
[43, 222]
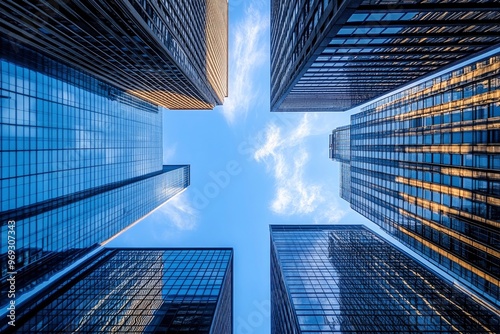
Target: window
[495, 109]
[457, 94]
[468, 91]
[481, 87]
[446, 118]
[446, 138]
[494, 136]
[456, 116]
[467, 137]
[481, 112]
[481, 137]
[467, 114]
[481, 161]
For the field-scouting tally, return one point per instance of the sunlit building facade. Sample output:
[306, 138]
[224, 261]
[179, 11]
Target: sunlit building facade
[425, 166]
[81, 160]
[171, 53]
[331, 55]
[346, 279]
[137, 291]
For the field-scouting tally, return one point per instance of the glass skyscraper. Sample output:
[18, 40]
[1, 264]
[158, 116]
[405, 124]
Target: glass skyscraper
[424, 164]
[80, 161]
[136, 291]
[332, 55]
[172, 53]
[346, 279]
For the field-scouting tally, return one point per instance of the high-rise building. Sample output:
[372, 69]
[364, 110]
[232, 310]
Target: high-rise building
[424, 164]
[80, 161]
[346, 279]
[171, 53]
[120, 290]
[331, 55]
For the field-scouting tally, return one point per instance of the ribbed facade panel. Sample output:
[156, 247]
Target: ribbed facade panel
[77, 157]
[425, 166]
[137, 291]
[332, 55]
[346, 279]
[171, 53]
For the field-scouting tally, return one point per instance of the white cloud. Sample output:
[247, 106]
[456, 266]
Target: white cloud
[169, 153]
[180, 212]
[248, 52]
[285, 153]
[330, 213]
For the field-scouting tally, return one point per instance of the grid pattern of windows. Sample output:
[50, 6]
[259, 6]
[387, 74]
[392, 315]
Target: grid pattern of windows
[425, 166]
[75, 154]
[345, 279]
[137, 291]
[331, 55]
[340, 143]
[172, 53]
[81, 225]
[345, 181]
[53, 130]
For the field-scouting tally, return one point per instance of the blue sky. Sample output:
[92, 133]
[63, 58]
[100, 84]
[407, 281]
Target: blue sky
[249, 168]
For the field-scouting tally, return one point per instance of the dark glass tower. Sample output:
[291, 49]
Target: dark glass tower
[331, 55]
[172, 53]
[425, 166]
[136, 291]
[80, 161]
[346, 279]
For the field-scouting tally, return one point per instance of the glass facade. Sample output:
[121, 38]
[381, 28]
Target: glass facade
[172, 53]
[340, 141]
[346, 279]
[425, 166]
[137, 291]
[331, 55]
[75, 154]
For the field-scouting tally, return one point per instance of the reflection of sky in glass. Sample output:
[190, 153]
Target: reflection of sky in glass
[75, 153]
[345, 278]
[310, 278]
[425, 170]
[135, 290]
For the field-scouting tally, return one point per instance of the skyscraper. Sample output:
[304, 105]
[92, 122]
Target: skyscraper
[344, 278]
[136, 291]
[80, 161]
[424, 165]
[333, 55]
[171, 53]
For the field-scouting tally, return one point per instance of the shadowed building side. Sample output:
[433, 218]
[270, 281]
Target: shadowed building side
[171, 53]
[345, 278]
[333, 55]
[151, 290]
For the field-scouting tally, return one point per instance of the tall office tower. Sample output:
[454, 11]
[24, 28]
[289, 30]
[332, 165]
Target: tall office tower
[331, 55]
[346, 279]
[425, 166]
[136, 291]
[339, 150]
[80, 161]
[172, 53]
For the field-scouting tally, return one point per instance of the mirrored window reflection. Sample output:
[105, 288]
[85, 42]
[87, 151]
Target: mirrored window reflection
[139, 291]
[426, 155]
[345, 278]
